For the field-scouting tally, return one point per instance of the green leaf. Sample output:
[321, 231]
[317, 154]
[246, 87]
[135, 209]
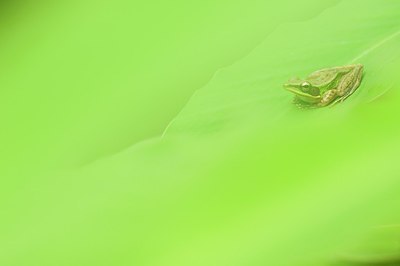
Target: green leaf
[241, 176]
[339, 36]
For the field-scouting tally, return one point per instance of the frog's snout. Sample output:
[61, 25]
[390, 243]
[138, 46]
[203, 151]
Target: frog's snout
[290, 87]
[287, 85]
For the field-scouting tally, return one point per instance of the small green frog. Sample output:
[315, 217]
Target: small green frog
[326, 86]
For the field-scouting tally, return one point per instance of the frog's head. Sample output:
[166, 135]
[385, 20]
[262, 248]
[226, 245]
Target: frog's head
[304, 90]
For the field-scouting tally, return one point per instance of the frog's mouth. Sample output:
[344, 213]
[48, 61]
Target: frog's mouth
[300, 93]
[305, 97]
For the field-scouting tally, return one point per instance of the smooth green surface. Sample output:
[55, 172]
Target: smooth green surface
[88, 78]
[239, 177]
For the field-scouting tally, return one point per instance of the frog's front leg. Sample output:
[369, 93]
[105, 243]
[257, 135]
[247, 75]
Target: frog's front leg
[328, 97]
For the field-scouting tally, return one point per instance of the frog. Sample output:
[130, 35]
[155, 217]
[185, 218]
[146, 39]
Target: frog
[327, 86]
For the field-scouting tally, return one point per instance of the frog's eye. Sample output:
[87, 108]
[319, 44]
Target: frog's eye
[305, 86]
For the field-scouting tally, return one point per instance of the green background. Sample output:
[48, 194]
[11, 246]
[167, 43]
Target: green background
[157, 133]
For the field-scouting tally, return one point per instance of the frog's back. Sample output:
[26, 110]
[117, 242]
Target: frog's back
[323, 77]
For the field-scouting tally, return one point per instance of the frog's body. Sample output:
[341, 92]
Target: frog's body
[326, 86]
